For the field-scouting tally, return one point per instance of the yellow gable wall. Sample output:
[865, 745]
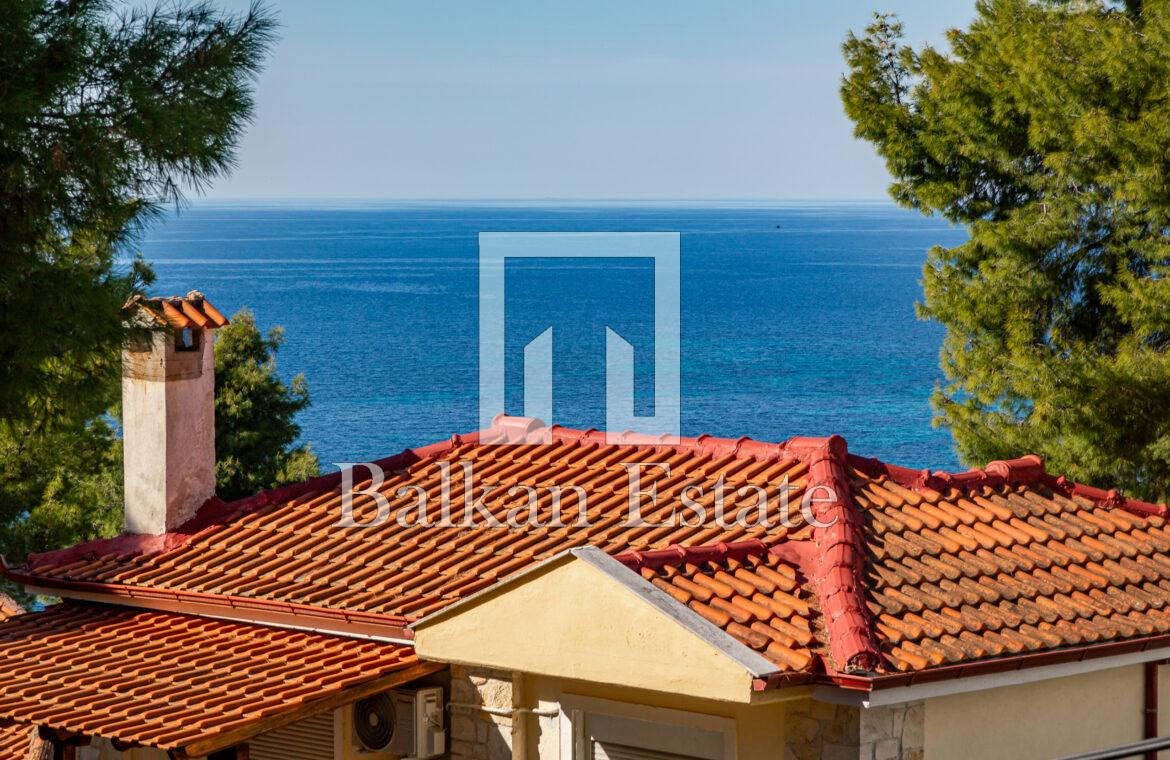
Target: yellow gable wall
[1052, 718]
[571, 620]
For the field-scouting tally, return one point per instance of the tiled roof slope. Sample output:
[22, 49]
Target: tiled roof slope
[997, 568]
[753, 594]
[15, 739]
[168, 680]
[292, 550]
[912, 571]
[8, 607]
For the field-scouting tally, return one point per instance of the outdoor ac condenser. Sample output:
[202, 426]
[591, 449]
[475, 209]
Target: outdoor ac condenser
[404, 723]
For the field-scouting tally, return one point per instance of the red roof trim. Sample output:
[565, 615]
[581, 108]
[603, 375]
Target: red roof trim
[999, 665]
[249, 609]
[838, 563]
[1025, 471]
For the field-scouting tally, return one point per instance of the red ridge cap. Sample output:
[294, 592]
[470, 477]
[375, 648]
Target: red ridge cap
[1024, 471]
[1111, 498]
[1027, 470]
[504, 427]
[838, 562]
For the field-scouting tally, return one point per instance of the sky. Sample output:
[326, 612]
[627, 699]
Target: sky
[551, 99]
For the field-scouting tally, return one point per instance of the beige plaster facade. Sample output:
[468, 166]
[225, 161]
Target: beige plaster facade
[1051, 718]
[537, 656]
[535, 625]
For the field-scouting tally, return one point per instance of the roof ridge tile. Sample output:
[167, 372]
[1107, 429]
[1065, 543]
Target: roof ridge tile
[838, 564]
[1027, 470]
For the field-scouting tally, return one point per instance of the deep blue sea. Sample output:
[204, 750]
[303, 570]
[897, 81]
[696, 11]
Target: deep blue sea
[797, 319]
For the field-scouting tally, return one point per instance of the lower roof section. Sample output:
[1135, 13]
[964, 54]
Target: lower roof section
[8, 607]
[177, 682]
[17, 740]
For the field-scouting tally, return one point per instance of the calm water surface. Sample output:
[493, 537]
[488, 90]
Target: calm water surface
[797, 319]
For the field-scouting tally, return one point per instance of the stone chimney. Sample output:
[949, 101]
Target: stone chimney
[168, 411]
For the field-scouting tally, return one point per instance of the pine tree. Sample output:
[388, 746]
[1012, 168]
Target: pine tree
[255, 411]
[1045, 130]
[106, 115]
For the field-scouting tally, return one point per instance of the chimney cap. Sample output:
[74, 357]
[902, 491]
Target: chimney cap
[180, 312]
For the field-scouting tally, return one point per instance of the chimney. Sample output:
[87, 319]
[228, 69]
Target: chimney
[168, 411]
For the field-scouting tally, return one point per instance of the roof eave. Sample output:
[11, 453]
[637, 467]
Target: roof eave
[1099, 654]
[221, 607]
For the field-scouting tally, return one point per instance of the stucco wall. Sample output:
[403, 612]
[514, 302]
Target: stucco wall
[1046, 719]
[1164, 706]
[168, 418]
[571, 620]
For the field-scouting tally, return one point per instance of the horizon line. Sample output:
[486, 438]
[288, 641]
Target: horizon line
[569, 200]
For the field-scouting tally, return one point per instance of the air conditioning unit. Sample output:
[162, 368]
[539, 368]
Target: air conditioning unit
[404, 723]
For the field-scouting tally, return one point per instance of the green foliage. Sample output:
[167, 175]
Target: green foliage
[107, 113]
[103, 117]
[1045, 129]
[58, 486]
[61, 484]
[255, 411]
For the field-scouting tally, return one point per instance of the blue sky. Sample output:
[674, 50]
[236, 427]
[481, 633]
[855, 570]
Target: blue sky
[659, 99]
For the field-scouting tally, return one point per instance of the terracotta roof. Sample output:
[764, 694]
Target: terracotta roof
[751, 593]
[176, 681]
[8, 607]
[906, 570]
[180, 312]
[15, 739]
[405, 573]
[997, 568]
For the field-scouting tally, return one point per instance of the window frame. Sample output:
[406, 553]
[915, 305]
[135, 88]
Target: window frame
[574, 711]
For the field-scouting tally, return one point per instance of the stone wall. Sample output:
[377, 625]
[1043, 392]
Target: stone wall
[822, 731]
[481, 724]
[478, 733]
[894, 731]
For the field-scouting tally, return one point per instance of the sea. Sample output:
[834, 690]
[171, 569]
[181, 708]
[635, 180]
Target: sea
[796, 318]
